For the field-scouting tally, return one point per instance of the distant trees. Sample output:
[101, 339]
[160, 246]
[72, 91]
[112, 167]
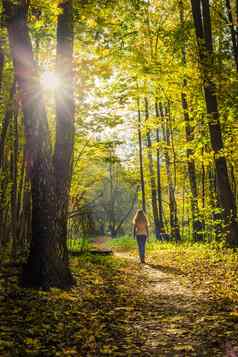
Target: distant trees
[107, 206]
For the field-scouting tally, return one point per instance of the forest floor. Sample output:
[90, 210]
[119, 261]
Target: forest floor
[177, 319]
[122, 308]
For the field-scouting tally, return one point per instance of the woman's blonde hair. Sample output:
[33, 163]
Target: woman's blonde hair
[140, 217]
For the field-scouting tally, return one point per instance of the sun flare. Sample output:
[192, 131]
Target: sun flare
[50, 80]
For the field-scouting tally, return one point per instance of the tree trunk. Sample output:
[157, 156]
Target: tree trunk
[196, 223]
[204, 37]
[111, 213]
[6, 121]
[174, 224]
[159, 190]
[233, 33]
[23, 207]
[3, 171]
[1, 64]
[152, 176]
[216, 214]
[236, 17]
[142, 181]
[63, 155]
[14, 186]
[45, 266]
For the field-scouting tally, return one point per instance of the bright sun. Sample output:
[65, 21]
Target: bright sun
[50, 80]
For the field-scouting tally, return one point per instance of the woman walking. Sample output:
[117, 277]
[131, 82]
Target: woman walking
[141, 232]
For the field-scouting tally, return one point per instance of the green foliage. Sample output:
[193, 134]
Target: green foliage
[79, 244]
[124, 243]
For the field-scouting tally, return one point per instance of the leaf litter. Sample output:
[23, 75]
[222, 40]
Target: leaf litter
[119, 308]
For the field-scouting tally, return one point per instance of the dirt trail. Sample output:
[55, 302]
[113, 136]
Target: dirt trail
[174, 319]
[179, 321]
[161, 282]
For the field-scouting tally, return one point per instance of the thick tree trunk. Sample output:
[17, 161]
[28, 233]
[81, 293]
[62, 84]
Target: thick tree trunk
[159, 189]
[204, 37]
[45, 266]
[142, 180]
[64, 121]
[152, 176]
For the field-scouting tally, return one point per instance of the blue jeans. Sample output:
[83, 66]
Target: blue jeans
[141, 239]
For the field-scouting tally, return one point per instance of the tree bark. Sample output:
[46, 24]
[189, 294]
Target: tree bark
[196, 223]
[3, 170]
[111, 213]
[233, 33]
[174, 224]
[14, 185]
[63, 155]
[152, 176]
[142, 180]
[159, 190]
[1, 64]
[6, 121]
[204, 38]
[45, 266]
[216, 214]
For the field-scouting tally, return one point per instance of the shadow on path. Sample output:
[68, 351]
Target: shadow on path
[165, 269]
[176, 320]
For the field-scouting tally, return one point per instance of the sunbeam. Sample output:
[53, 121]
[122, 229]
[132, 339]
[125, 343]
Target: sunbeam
[50, 80]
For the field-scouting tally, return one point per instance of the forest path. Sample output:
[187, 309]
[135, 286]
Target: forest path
[176, 320]
[119, 308]
[162, 280]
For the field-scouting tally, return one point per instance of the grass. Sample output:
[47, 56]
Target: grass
[124, 243]
[79, 244]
